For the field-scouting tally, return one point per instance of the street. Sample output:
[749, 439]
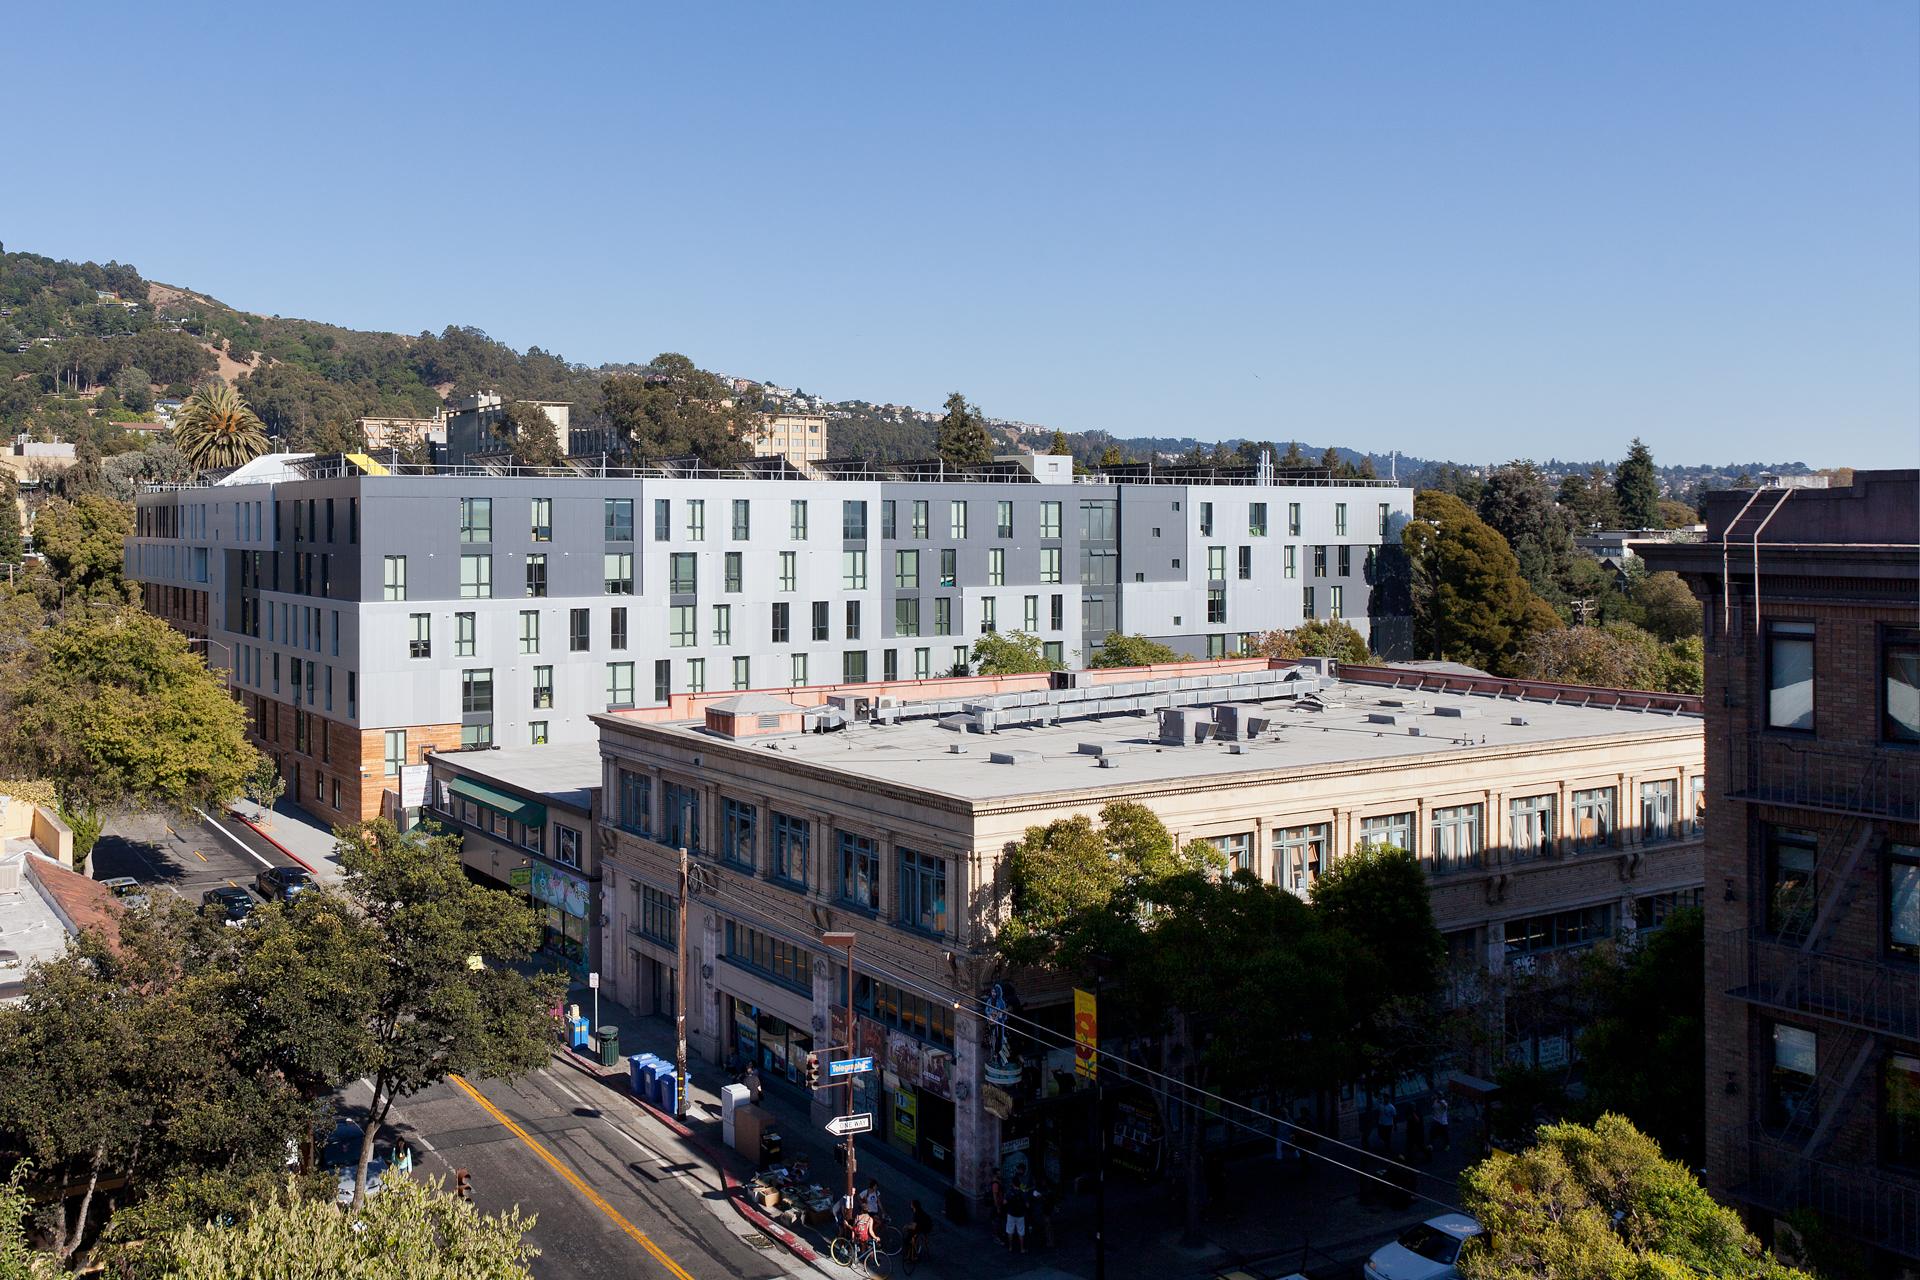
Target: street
[615, 1193]
[186, 856]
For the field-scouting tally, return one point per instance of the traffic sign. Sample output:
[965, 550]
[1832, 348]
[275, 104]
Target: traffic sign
[858, 1122]
[849, 1066]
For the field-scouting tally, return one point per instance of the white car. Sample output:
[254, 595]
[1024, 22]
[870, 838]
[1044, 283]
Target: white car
[1426, 1252]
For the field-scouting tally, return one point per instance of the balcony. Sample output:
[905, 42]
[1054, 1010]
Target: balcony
[1877, 996]
[1877, 1207]
[1856, 780]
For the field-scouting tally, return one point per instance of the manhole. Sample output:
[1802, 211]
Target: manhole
[757, 1240]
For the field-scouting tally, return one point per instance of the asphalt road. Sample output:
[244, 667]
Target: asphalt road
[185, 857]
[614, 1193]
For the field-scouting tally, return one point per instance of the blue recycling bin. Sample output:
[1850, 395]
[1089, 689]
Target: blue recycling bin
[579, 1033]
[635, 1064]
[668, 1097]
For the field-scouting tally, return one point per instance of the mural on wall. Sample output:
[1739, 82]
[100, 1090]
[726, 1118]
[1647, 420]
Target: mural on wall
[1000, 1068]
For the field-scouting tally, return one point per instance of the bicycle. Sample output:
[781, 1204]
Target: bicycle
[914, 1254]
[891, 1241]
[848, 1254]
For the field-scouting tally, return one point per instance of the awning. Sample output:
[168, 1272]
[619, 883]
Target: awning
[531, 812]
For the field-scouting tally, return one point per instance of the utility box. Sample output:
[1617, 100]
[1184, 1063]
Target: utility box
[732, 1098]
[751, 1125]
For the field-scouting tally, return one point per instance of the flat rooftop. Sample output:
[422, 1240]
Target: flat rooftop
[562, 772]
[1344, 722]
[31, 930]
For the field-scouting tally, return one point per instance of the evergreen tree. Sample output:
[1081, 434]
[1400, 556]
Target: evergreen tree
[1588, 499]
[1471, 603]
[1293, 457]
[1517, 503]
[1112, 457]
[1059, 445]
[1637, 488]
[963, 440]
[11, 546]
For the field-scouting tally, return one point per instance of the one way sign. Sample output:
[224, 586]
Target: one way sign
[858, 1122]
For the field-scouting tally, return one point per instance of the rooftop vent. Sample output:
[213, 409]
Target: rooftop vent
[1458, 712]
[1184, 726]
[1014, 757]
[1516, 720]
[1382, 717]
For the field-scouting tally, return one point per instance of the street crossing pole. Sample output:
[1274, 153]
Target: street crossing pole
[845, 941]
[680, 996]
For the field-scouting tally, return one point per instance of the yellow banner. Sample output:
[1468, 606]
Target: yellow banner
[1086, 1034]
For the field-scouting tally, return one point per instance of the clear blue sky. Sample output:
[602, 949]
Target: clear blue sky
[1475, 230]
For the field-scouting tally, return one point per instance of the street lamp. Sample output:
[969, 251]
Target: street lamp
[226, 672]
[844, 940]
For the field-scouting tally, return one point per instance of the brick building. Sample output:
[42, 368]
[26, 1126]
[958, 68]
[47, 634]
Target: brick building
[1812, 602]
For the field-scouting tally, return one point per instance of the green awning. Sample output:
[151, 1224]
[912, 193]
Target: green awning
[531, 812]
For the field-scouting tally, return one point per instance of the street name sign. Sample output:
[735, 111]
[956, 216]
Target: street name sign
[849, 1066]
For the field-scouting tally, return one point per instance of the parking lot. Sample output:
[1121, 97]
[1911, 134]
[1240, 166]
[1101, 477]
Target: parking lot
[164, 852]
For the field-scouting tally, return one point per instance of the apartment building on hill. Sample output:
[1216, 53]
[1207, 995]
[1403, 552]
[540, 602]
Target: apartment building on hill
[1812, 602]
[369, 614]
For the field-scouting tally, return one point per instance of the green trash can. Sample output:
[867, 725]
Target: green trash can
[609, 1046]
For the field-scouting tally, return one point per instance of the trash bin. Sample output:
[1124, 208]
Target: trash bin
[667, 1097]
[609, 1045]
[769, 1147]
[636, 1067]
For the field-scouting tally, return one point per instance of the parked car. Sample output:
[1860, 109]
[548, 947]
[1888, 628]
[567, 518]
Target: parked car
[1426, 1252]
[230, 901]
[130, 891]
[282, 884]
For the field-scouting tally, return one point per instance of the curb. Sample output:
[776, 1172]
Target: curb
[792, 1243]
[261, 832]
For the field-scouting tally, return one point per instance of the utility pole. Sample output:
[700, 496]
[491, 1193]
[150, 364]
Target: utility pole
[680, 995]
[1099, 1118]
[844, 940]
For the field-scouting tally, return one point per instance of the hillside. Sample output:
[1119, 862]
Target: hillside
[85, 346]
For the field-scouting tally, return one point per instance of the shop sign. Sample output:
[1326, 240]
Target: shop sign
[906, 1118]
[1017, 1144]
[1086, 1034]
[551, 885]
[520, 877]
[1553, 1051]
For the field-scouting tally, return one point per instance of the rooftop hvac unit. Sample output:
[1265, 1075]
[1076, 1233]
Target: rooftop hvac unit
[1184, 726]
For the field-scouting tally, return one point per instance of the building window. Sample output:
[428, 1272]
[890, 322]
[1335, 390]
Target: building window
[529, 631]
[923, 891]
[420, 641]
[797, 519]
[476, 577]
[943, 616]
[1790, 676]
[464, 628]
[619, 685]
[396, 751]
[476, 519]
[723, 624]
[1388, 831]
[618, 573]
[1796, 1053]
[1236, 849]
[957, 520]
[1206, 519]
[680, 626]
[1245, 563]
[743, 673]
[537, 576]
[1593, 818]
[696, 675]
[1340, 519]
[1560, 931]
[1656, 812]
[1257, 520]
[1293, 519]
[853, 570]
[742, 520]
[737, 823]
[789, 839]
[659, 914]
[696, 520]
[662, 679]
[789, 572]
[635, 794]
[906, 616]
[1900, 665]
[853, 667]
[859, 870]
[476, 691]
[887, 526]
[1049, 519]
[475, 737]
[395, 577]
[853, 619]
[1308, 606]
[1216, 564]
[900, 1010]
[566, 845]
[1903, 900]
[1336, 601]
[542, 520]
[1299, 855]
[1386, 516]
[680, 808]
[1055, 653]
[996, 568]
[731, 573]
[537, 733]
[821, 619]
[1289, 567]
[1697, 788]
[1900, 1110]
[1003, 519]
[1050, 562]
[542, 688]
[906, 570]
[1030, 615]
[853, 520]
[781, 620]
[1455, 838]
[798, 676]
[949, 566]
[920, 517]
[616, 628]
[782, 962]
[1216, 604]
[1653, 911]
[617, 517]
[662, 519]
[1791, 857]
[1531, 827]
[682, 573]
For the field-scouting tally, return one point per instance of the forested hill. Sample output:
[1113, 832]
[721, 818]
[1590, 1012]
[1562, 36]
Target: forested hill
[85, 347]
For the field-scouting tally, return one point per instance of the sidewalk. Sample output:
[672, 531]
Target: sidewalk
[1315, 1218]
[298, 834]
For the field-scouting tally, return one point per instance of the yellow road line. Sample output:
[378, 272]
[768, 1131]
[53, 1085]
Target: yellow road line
[200, 855]
[573, 1178]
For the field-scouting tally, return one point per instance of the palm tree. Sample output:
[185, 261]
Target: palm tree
[215, 429]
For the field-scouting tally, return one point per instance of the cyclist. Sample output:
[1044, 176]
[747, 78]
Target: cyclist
[919, 1231]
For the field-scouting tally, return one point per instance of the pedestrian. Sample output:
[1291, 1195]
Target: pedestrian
[1385, 1119]
[1017, 1205]
[1442, 1133]
[751, 1078]
[872, 1200]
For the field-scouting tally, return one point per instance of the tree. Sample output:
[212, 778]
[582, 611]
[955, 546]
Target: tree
[675, 410]
[413, 1229]
[216, 429]
[963, 440]
[529, 432]
[428, 1012]
[12, 546]
[1638, 488]
[1134, 651]
[1603, 1201]
[1616, 656]
[134, 386]
[112, 705]
[1292, 459]
[1377, 897]
[1011, 653]
[1331, 638]
[1587, 498]
[1059, 446]
[264, 785]
[1470, 602]
[1112, 457]
[1668, 607]
[1519, 506]
[1683, 666]
[1645, 1044]
[1677, 515]
[1275, 644]
[18, 1259]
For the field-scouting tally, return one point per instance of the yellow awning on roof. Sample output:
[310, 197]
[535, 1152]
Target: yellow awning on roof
[367, 464]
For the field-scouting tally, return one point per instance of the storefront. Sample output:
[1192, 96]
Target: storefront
[777, 1048]
[563, 902]
[910, 1091]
